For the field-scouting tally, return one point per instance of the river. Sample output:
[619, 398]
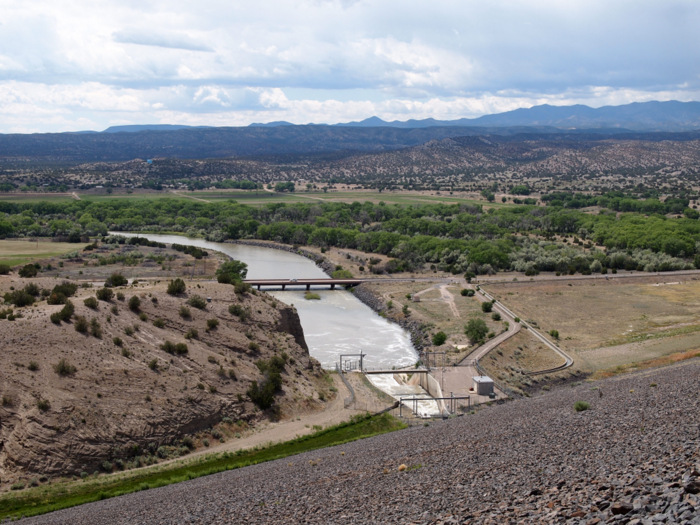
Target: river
[336, 324]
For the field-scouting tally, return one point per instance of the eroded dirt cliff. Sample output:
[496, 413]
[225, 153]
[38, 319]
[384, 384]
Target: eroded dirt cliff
[139, 380]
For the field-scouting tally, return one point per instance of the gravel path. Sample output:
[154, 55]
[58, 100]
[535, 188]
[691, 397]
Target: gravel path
[633, 457]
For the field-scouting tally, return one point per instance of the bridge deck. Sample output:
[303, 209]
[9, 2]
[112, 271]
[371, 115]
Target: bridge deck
[308, 283]
[410, 371]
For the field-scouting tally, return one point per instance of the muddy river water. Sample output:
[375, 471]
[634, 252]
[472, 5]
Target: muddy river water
[336, 324]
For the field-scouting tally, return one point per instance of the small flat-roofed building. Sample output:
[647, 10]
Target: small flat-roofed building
[483, 385]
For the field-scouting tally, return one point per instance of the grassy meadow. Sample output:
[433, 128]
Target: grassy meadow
[19, 252]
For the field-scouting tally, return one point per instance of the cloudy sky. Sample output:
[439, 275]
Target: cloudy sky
[68, 65]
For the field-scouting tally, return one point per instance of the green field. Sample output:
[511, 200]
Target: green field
[136, 196]
[35, 197]
[17, 252]
[261, 197]
[256, 198]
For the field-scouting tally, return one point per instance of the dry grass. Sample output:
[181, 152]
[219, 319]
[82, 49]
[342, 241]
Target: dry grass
[606, 324]
[434, 312]
[649, 363]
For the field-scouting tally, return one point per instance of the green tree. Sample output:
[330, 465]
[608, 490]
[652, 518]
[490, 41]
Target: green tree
[476, 330]
[231, 272]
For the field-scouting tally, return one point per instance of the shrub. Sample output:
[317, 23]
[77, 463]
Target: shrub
[32, 289]
[176, 287]
[91, 302]
[143, 316]
[238, 311]
[439, 338]
[117, 341]
[95, 328]
[496, 316]
[159, 323]
[554, 334]
[129, 331]
[5, 269]
[66, 288]
[120, 296]
[105, 294]
[312, 296]
[341, 273]
[153, 364]
[56, 318]
[185, 312]
[192, 333]
[486, 306]
[580, 406]
[81, 324]
[33, 366]
[64, 368]
[28, 270]
[116, 279]
[134, 303]
[43, 404]
[19, 298]
[197, 302]
[173, 348]
[212, 324]
[241, 288]
[56, 298]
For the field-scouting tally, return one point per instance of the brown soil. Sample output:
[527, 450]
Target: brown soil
[127, 395]
[599, 319]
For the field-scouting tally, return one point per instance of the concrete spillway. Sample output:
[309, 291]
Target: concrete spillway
[388, 383]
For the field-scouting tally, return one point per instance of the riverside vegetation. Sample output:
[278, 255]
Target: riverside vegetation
[459, 238]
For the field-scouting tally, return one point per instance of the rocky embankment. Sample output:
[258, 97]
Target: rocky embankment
[632, 457]
[368, 297]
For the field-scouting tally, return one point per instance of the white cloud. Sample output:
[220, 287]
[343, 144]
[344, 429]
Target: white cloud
[230, 63]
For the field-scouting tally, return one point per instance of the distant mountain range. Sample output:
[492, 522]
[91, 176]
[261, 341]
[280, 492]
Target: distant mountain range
[650, 121]
[644, 116]
[638, 116]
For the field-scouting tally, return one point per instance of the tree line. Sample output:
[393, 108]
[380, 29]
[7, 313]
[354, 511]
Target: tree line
[460, 238]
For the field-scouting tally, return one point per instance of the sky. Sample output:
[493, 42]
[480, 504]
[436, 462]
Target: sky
[72, 65]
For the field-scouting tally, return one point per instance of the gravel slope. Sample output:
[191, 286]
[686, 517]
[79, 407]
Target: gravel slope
[633, 457]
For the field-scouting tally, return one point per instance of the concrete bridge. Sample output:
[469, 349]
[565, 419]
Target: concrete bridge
[283, 283]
